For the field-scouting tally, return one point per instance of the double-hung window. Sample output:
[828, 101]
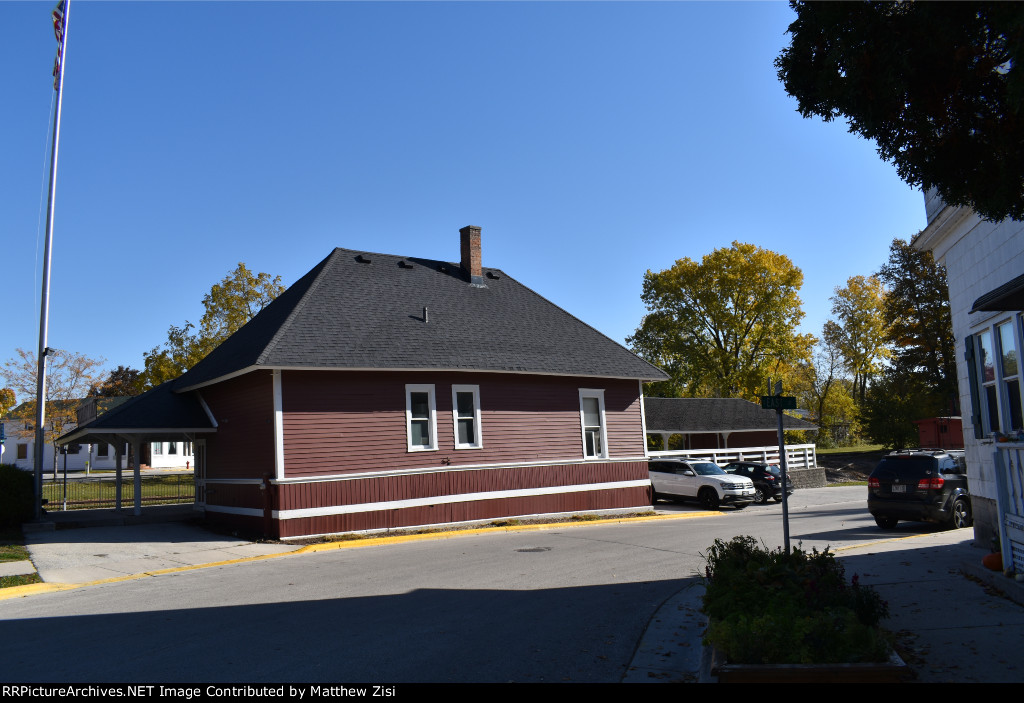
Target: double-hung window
[595, 436]
[421, 418]
[989, 396]
[466, 415]
[995, 377]
[1010, 374]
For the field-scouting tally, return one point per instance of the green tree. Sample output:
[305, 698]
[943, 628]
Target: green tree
[232, 302]
[937, 86]
[920, 327]
[122, 381]
[861, 334]
[892, 404]
[723, 325]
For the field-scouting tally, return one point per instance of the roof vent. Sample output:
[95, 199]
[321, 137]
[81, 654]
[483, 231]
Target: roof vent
[363, 259]
[493, 276]
[404, 264]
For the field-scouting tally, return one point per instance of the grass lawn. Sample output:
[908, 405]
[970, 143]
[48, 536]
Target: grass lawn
[13, 552]
[12, 546]
[22, 580]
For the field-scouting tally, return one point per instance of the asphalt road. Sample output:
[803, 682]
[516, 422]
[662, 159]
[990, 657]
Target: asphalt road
[561, 604]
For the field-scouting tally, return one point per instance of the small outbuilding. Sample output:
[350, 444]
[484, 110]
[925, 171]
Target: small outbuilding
[940, 432]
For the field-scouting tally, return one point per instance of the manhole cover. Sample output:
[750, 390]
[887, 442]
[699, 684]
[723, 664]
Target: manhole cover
[534, 549]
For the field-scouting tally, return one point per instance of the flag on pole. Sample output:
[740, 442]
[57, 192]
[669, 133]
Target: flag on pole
[58, 31]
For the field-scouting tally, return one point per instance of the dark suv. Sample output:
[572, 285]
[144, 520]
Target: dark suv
[920, 484]
[767, 479]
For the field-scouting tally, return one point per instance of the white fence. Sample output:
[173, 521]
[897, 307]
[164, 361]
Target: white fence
[798, 456]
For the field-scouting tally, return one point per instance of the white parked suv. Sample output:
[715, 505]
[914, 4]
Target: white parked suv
[702, 480]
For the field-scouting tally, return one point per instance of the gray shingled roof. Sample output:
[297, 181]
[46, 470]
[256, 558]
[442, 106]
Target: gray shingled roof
[347, 314]
[155, 410]
[714, 415]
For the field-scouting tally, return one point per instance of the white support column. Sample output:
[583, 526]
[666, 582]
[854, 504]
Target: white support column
[137, 483]
[118, 444]
[279, 427]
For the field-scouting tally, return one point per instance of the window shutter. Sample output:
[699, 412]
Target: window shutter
[972, 375]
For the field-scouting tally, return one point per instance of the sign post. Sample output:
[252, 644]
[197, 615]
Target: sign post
[778, 403]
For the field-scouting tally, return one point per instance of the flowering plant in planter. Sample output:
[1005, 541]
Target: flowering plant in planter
[772, 607]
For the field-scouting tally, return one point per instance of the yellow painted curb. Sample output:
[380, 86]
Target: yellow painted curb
[32, 589]
[446, 534]
[879, 541]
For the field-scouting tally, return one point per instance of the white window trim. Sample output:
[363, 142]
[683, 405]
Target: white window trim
[998, 382]
[1002, 391]
[475, 390]
[411, 388]
[599, 394]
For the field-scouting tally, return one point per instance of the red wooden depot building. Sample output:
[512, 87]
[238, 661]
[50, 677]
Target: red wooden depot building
[383, 391]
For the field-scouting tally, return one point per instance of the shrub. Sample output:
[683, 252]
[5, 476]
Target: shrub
[770, 607]
[17, 491]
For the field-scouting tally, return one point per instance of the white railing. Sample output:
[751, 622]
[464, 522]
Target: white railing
[798, 456]
[1009, 461]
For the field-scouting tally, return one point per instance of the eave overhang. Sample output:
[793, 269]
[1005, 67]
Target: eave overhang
[76, 436]
[1009, 296]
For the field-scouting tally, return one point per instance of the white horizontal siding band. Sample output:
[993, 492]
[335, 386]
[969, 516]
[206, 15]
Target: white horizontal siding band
[460, 467]
[458, 498]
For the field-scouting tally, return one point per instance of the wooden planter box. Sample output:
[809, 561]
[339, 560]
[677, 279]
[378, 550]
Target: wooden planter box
[892, 671]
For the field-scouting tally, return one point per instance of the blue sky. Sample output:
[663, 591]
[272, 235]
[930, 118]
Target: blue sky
[590, 141]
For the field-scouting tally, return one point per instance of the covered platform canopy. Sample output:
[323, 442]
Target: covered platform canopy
[158, 415]
[720, 417]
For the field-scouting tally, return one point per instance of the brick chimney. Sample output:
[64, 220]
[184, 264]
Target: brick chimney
[472, 262]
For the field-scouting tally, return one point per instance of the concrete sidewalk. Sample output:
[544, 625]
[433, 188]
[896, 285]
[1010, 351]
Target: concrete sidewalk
[954, 620]
[100, 553]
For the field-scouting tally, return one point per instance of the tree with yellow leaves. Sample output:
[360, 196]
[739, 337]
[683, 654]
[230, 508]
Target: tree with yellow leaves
[232, 302]
[722, 326]
[862, 334]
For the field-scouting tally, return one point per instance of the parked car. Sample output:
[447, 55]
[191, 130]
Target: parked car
[767, 479]
[700, 480]
[928, 485]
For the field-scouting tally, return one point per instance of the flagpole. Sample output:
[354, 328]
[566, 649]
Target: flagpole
[60, 25]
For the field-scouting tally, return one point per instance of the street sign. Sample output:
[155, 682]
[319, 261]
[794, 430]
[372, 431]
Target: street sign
[778, 402]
